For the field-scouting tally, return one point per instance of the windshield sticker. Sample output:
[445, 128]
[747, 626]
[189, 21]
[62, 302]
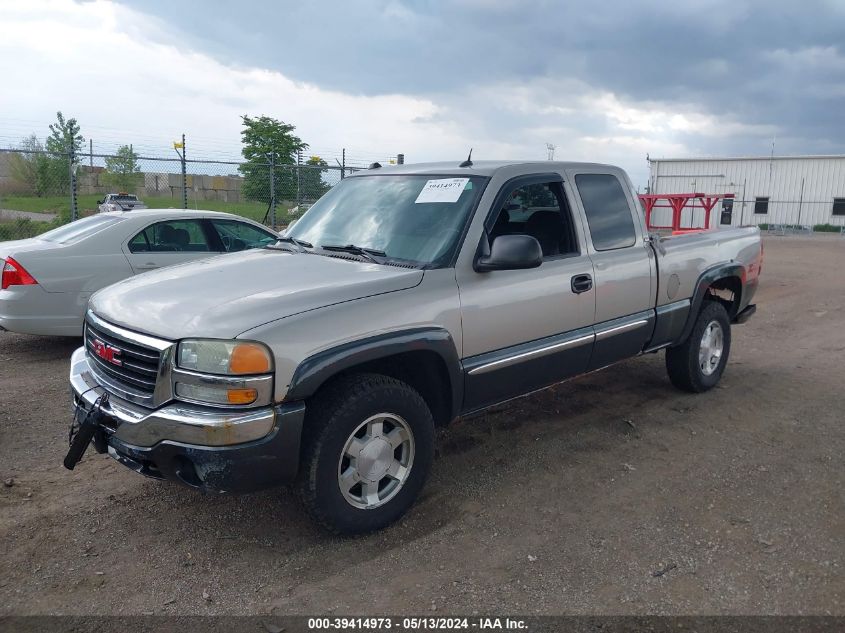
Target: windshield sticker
[442, 190]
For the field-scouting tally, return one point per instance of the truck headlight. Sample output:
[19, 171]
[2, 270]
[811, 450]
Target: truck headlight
[216, 394]
[227, 358]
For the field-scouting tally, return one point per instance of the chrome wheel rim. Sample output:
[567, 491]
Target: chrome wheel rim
[712, 346]
[376, 461]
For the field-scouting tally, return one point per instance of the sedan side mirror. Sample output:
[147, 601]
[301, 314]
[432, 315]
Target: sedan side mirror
[511, 252]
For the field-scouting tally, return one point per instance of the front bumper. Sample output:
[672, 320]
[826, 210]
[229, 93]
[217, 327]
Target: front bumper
[211, 449]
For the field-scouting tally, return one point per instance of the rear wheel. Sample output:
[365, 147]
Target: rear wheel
[369, 444]
[698, 363]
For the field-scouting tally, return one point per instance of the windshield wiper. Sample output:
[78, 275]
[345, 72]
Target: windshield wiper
[301, 245]
[367, 253]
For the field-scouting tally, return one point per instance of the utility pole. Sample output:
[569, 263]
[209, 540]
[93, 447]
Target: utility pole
[91, 153]
[177, 147]
[551, 148]
[184, 176]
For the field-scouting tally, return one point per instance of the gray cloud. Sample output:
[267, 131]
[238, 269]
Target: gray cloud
[767, 64]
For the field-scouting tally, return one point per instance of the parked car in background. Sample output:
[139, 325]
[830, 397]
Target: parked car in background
[47, 280]
[120, 202]
[404, 298]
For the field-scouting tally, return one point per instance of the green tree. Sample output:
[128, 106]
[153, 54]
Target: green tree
[122, 170]
[31, 167]
[267, 140]
[64, 135]
[312, 185]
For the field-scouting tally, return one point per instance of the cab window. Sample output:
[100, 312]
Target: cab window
[538, 210]
[608, 214]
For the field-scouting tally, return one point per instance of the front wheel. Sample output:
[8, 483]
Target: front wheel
[698, 363]
[369, 444]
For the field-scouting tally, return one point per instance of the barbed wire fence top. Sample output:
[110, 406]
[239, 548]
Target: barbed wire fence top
[40, 189]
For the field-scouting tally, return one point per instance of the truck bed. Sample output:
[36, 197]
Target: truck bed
[682, 259]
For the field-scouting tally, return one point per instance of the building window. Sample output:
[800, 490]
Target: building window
[761, 206]
[839, 206]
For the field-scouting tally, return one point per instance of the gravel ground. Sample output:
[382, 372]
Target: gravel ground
[610, 494]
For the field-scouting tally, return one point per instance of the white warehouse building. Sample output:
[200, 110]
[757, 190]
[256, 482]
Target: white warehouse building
[791, 190]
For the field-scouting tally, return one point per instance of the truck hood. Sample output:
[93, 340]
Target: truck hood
[224, 296]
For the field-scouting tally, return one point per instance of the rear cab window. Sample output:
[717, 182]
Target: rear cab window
[607, 209]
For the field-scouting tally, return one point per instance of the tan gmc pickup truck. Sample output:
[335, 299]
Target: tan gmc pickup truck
[404, 298]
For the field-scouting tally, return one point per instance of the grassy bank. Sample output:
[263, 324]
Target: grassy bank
[817, 228]
[22, 228]
[88, 204]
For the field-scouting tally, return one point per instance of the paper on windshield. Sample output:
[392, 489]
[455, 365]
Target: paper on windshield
[442, 190]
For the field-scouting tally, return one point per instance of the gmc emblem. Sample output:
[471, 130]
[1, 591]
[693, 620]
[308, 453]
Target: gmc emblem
[106, 352]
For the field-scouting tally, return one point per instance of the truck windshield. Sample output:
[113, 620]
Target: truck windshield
[418, 219]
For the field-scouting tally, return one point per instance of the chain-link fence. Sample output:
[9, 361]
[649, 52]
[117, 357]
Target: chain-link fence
[40, 190]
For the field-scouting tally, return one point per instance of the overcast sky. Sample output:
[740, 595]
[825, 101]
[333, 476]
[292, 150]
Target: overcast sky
[607, 81]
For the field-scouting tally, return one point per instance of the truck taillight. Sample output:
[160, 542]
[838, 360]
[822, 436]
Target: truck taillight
[15, 275]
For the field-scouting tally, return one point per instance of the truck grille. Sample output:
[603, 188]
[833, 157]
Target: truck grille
[127, 363]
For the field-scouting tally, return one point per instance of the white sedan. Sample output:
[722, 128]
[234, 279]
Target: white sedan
[47, 280]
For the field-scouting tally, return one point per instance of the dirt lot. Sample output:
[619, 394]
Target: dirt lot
[613, 493]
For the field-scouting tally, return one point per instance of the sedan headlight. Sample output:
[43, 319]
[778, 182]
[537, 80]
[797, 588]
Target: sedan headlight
[227, 358]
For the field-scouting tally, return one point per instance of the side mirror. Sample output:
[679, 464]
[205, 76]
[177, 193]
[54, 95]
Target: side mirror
[101, 201]
[511, 252]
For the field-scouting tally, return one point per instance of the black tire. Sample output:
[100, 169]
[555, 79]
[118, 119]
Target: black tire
[682, 362]
[332, 416]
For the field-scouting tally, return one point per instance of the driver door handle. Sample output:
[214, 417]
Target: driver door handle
[581, 283]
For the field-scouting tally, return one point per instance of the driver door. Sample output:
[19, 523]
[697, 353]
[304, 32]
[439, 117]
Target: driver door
[527, 329]
[167, 243]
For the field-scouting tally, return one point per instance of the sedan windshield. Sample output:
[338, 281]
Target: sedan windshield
[418, 219]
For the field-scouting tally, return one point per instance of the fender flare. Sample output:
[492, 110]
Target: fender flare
[315, 370]
[705, 280]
